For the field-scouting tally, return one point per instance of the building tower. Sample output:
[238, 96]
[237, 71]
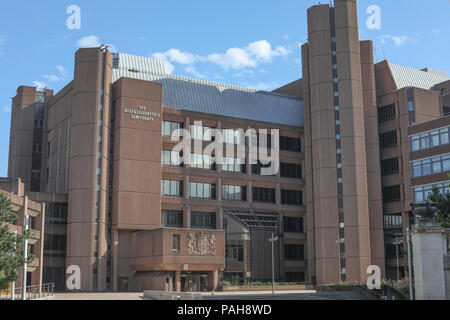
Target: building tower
[337, 95]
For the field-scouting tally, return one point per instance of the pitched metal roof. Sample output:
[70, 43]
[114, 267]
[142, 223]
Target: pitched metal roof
[211, 97]
[409, 77]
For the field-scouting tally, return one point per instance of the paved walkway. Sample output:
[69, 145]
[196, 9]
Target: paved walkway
[100, 296]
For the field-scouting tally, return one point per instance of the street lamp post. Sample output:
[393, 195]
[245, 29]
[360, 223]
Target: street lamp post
[13, 285]
[25, 257]
[273, 240]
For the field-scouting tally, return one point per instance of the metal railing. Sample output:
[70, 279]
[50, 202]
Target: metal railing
[32, 292]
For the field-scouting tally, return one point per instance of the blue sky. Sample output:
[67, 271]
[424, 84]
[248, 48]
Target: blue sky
[252, 43]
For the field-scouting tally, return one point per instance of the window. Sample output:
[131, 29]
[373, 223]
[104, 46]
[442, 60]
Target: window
[389, 166]
[388, 139]
[392, 221]
[421, 193]
[233, 165]
[55, 213]
[234, 193]
[169, 127]
[292, 197]
[234, 252]
[203, 220]
[290, 144]
[172, 158]
[431, 166]
[231, 136]
[202, 190]
[256, 168]
[391, 194]
[200, 133]
[172, 188]
[294, 252]
[294, 277]
[291, 170]
[171, 218]
[386, 113]
[55, 242]
[176, 242]
[264, 195]
[293, 224]
[37, 148]
[429, 139]
[201, 161]
[446, 110]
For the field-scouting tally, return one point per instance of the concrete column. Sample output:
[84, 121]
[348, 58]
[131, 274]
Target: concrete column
[41, 246]
[219, 189]
[278, 194]
[429, 247]
[220, 219]
[178, 281]
[213, 280]
[250, 192]
[187, 222]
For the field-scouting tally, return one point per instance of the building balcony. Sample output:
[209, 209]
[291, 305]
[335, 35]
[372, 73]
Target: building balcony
[171, 249]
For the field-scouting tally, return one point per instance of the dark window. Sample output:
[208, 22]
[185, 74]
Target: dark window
[389, 166]
[171, 218]
[55, 242]
[294, 252]
[294, 277]
[290, 144]
[388, 139]
[386, 113]
[293, 224]
[203, 220]
[176, 242]
[292, 197]
[234, 252]
[172, 188]
[291, 170]
[391, 193]
[234, 193]
[392, 221]
[264, 195]
[202, 190]
[446, 110]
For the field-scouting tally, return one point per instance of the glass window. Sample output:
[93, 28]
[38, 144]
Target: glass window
[172, 218]
[176, 242]
[172, 188]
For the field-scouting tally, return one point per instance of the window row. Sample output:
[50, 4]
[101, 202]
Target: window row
[390, 166]
[391, 193]
[392, 221]
[386, 113]
[293, 224]
[234, 193]
[431, 166]
[422, 193]
[430, 139]
[199, 220]
[388, 139]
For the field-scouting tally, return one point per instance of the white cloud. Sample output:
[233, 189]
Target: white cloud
[194, 72]
[398, 41]
[56, 78]
[6, 108]
[169, 68]
[250, 56]
[93, 42]
[89, 42]
[436, 31]
[61, 70]
[263, 86]
[180, 57]
[40, 85]
[286, 37]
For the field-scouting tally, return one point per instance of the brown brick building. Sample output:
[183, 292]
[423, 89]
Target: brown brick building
[99, 153]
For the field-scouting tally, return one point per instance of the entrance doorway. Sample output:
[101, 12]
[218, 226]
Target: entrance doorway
[194, 282]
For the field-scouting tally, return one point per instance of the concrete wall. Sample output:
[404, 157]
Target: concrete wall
[447, 275]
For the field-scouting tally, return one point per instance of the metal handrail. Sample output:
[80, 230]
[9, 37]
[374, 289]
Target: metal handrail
[32, 292]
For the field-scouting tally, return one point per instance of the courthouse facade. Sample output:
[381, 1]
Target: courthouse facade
[358, 141]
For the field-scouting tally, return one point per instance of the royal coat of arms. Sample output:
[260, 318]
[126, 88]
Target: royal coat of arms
[201, 244]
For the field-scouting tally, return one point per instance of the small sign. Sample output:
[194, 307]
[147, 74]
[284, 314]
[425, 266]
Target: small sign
[142, 114]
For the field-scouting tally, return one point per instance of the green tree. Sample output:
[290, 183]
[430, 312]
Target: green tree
[442, 200]
[10, 259]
